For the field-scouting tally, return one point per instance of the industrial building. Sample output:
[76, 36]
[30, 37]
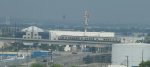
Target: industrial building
[40, 54]
[54, 35]
[131, 54]
[7, 54]
[32, 32]
[83, 36]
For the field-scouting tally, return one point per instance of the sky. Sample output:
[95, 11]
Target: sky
[100, 11]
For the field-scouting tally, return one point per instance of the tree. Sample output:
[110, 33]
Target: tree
[54, 47]
[14, 46]
[44, 46]
[37, 65]
[144, 64]
[56, 65]
[13, 66]
[74, 66]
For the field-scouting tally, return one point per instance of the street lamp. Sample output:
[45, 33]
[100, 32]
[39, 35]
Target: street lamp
[127, 61]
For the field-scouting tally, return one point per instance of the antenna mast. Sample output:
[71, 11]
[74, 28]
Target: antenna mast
[86, 19]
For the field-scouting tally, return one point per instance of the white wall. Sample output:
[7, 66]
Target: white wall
[116, 66]
[29, 35]
[133, 51]
[54, 34]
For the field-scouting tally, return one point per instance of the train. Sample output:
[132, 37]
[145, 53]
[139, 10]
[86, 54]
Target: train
[89, 38]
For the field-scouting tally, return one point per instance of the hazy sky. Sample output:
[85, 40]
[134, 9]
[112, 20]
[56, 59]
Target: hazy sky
[106, 11]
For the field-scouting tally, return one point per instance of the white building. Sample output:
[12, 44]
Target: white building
[55, 34]
[32, 32]
[134, 51]
[32, 28]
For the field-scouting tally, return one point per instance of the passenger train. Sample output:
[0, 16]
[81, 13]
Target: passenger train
[90, 38]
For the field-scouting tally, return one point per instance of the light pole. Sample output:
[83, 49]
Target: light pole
[51, 55]
[2, 56]
[142, 58]
[27, 58]
[127, 61]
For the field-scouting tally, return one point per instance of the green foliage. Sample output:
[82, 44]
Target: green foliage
[74, 66]
[13, 66]
[44, 46]
[13, 47]
[61, 48]
[145, 64]
[37, 65]
[56, 65]
[54, 47]
[147, 39]
[57, 47]
[16, 66]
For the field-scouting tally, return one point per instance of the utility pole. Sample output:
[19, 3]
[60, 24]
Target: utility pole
[51, 55]
[2, 56]
[142, 57]
[127, 61]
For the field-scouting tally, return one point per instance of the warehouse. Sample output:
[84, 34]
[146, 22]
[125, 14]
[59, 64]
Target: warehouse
[32, 32]
[53, 35]
[83, 36]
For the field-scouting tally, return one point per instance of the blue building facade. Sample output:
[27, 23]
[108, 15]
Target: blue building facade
[40, 54]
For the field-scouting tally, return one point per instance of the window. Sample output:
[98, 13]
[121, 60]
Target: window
[35, 34]
[28, 34]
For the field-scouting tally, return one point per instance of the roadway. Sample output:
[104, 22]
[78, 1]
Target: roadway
[68, 59]
[62, 42]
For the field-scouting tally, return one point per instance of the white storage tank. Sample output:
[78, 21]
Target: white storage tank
[134, 51]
